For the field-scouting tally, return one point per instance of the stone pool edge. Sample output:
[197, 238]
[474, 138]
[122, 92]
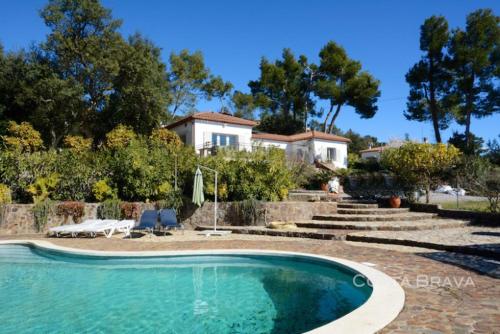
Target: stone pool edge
[381, 308]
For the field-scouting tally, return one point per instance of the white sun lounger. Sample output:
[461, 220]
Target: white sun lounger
[73, 229]
[108, 227]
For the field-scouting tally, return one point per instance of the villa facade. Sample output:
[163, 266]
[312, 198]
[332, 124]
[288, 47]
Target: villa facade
[209, 131]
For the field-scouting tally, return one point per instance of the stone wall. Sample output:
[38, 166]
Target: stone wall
[227, 213]
[484, 218]
[18, 218]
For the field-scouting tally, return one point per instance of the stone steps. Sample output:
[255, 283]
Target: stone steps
[345, 205]
[429, 224]
[370, 211]
[408, 216]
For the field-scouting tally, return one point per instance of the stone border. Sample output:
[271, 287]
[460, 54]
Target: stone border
[468, 250]
[381, 308]
[484, 218]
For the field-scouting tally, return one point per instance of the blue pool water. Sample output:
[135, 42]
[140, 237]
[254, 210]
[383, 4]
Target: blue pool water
[50, 292]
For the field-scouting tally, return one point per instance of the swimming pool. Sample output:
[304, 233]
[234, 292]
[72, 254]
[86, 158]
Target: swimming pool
[44, 290]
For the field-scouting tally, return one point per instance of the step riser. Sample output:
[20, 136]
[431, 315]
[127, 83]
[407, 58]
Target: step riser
[357, 206]
[371, 211]
[409, 227]
[371, 218]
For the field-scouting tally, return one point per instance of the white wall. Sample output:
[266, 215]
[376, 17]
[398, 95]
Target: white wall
[320, 151]
[266, 143]
[367, 155]
[203, 133]
[185, 131]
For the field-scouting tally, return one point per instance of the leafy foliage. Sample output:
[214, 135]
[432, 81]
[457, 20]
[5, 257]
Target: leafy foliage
[102, 191]
[420, 165]
[429, 79]
[165, 137]
[478, 176]
[475, 146]
[341, 82]
[43, 187]
[120, 137]
[5, 194]
[262, 175]
[110, 209]
[77, 144]
[22, 138]
[41, 211]
[71, 209]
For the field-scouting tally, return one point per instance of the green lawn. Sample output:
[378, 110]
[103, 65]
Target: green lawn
[467, 205]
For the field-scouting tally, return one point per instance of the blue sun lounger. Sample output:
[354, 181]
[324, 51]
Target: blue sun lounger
[148, 221]
[168, 220]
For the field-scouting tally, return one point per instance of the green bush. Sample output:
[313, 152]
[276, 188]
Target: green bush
[110, 209]
[5, 194]
[41, 211]
[262, 174]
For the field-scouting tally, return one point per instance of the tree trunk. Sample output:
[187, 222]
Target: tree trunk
[432, 103]
[327, 116]
[468, 111]
[337, 112]
[427, 194]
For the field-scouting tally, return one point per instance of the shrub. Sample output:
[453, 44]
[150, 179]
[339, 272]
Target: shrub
[172, 201]
[165, 137]
[261, 174]
[110, 209]
[23, 138]
[102, 191]
[5, 194]
[248, 211]
[78, 172]
[43, 187]
[71, 209]
[420, 165]
[120, 137]
[130, 210]
[77, 144]
[41, 211]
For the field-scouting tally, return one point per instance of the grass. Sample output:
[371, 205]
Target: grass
[482, 206]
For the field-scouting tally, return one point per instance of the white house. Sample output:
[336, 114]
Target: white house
[373, 152]
[207, 131]
[312, 146]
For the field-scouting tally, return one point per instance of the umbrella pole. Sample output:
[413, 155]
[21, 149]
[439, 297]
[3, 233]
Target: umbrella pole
[215, 207]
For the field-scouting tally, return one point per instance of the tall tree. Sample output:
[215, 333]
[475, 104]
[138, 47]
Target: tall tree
[429, 79]
[341, 82]
[475, 59]
[84, 45]
[189, 79]
[140, 96]
[282, 93]
[243, 105]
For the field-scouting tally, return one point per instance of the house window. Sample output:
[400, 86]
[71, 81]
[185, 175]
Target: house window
[331, 154]
[219, 139]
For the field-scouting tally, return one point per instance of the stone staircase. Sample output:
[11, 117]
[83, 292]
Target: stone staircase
[355, 216]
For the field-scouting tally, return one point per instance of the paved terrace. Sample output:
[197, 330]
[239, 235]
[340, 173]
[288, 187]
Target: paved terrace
[442, 296]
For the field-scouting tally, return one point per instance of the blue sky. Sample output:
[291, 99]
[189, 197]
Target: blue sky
[234, 35]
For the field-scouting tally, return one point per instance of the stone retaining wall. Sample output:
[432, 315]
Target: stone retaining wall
[227, 213]
[18, 218]
[485, 218]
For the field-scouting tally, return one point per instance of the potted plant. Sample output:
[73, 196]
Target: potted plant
[395, 201]
[322, 178]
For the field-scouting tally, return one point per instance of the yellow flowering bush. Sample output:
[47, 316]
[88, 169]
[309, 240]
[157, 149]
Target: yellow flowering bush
[77, 143]
[120, 137]
[22, 138]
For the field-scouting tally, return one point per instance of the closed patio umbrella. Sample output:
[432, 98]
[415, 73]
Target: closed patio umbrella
[198, 197]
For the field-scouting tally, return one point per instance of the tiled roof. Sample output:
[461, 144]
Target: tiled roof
[374, 149]
[270, 136]
[213, 117]
[301, 136]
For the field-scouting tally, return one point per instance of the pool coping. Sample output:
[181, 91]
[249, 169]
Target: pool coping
[381, 308]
